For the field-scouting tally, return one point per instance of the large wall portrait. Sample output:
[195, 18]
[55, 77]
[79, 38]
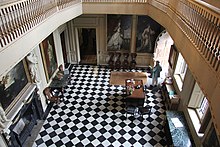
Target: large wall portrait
[147, 32]
[12, 84]
[49, 56]
[118, 32]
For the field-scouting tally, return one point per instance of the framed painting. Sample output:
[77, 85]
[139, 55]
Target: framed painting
[11, 85]
[49, 56]
[147, 32]
[118, 32]
[172, 56]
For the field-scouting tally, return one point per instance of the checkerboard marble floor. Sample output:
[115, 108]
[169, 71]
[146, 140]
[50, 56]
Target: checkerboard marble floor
[92, 114]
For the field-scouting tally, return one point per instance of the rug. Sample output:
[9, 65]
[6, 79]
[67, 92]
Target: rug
[118, 78]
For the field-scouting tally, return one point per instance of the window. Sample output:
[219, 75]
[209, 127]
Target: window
[201, 110]
[180, 71]
[197, 108]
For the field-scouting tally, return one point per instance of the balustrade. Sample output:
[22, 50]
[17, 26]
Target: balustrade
[199, 23]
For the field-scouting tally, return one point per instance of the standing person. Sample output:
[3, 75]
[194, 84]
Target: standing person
[156, 73]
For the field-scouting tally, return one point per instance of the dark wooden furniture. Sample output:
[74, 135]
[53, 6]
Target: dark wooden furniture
[118, 61]
[135, 91]
[130, 109]
[177, 131]
[170, 97]
[133, 60]
[111, 63]
[125, 63]
[51, 96]
[145, 110]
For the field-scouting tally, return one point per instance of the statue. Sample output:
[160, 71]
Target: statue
[32, 62]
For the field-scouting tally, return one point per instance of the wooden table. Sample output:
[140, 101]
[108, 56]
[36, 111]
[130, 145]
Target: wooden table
[134, 93]
[118, 78]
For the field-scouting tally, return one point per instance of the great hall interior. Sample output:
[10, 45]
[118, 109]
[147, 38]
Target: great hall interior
[81, 73]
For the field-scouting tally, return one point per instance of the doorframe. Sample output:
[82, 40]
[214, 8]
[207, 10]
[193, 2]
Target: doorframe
[78, 46]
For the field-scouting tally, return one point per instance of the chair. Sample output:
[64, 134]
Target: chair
[131, 107]
[131, 110]
[145, 110]
[111, 60]
[133, 61]
[50, 96]
[125, 63]
[118, 61]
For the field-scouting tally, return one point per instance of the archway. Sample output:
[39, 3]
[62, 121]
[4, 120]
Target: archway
[162, 51]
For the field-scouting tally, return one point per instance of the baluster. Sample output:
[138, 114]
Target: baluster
[37, 9]
[34, 12]
[205, 35]
[215, 50]
[12, 23]
[32, 16]
[214, 41]
[7, 26]
[205, 29]
[208, 36]
[4, 18]
[22, 19]
[2, 42]
[209, 41]
[3, 30]
[25, 15]
[216, 63]
[215, 57]
[15, 25]
[203, 25]
[200, 26]
[18, 18]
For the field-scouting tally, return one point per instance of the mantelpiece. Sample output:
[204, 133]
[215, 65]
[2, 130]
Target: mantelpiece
[23, 116]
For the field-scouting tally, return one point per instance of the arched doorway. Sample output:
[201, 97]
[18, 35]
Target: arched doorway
[162, 51]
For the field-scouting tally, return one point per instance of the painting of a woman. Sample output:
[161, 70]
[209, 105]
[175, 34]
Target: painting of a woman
[118, 32]
[147, 32]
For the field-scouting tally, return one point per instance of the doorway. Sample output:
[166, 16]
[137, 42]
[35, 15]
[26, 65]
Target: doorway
[63, 44]
[87, 44]
[162, 51]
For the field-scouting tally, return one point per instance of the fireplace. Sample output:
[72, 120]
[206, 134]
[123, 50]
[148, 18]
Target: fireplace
[25, 120]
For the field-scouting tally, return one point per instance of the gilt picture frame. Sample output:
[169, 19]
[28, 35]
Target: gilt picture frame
[12, 83]
[48, 53]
